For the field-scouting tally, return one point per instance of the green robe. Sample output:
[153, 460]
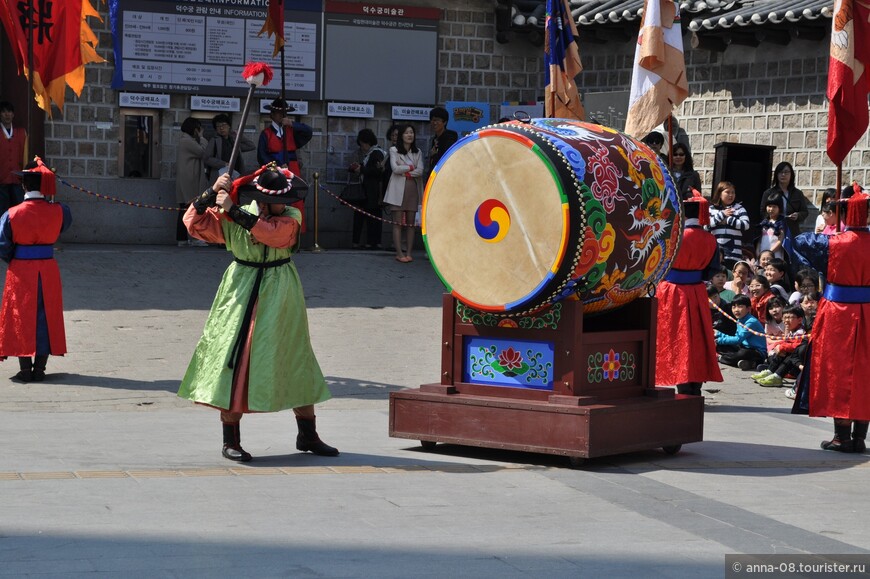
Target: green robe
[283, 372]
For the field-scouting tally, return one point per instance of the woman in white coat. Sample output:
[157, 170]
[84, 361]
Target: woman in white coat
[403, 194]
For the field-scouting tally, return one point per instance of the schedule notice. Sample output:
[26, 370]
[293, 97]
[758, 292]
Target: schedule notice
[205, 52]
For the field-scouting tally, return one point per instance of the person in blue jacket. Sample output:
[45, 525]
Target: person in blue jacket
[747, 348]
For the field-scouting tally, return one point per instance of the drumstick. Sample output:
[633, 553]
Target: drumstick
[255, 74]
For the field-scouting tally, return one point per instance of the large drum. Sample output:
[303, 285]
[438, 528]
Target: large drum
[518, 216]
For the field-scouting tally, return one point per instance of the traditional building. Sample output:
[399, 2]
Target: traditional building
[757, 75]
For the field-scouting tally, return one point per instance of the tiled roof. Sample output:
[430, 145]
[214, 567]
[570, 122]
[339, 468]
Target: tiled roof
[706, 14]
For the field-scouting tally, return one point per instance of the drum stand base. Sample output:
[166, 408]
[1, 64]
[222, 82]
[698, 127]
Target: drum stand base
[582, 431]
[600, 400]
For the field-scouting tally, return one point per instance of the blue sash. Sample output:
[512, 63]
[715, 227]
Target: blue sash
[684, 276]
[847, 294]
[33, 252]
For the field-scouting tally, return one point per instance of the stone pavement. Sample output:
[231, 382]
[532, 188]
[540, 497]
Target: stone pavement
[105, 472]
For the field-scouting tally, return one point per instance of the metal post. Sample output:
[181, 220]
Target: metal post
[316, 248]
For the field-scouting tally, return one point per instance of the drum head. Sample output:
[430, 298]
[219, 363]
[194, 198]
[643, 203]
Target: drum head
[495, 220]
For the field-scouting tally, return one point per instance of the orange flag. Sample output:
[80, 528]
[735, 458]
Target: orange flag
[658, 82]
[275, 24]
[63, 44]
[848, 84]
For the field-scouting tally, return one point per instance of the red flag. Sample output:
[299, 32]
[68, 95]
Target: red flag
[848, 84]
[275, 24]
[63, 44]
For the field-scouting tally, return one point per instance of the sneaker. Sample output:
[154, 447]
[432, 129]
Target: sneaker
[790, 393]
[183, 243]
[772, 381]
[746, 365]
[762, 374]
[198, 243]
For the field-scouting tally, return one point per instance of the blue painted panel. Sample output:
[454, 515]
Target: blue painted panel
[513, 363]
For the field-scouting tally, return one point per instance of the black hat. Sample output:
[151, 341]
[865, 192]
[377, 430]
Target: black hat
[272, 186]
[280, 105]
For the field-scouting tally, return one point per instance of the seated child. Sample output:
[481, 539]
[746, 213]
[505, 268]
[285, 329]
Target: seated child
[774, 326]
[776, 272]
[772, 229]
[759, 294]
[718, 281]
[741, 272]
[786, 357]
[763, 259]
[806, 280]
[721, 323]
[746, 348]
[810, 303]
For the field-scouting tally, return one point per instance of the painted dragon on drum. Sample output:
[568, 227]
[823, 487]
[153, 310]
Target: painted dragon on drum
[592, 216]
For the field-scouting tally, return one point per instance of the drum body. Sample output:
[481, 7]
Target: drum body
[518, 216]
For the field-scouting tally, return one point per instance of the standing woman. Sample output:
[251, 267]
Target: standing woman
[392, 139]
[369, 170]
[189, 176]
[794, 204]
[683, 171]
[728, 221]
[403, 191]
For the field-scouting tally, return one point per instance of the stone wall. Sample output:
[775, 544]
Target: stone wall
[772, 95]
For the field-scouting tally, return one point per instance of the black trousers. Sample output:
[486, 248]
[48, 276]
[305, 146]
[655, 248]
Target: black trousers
[372, 226]
[180, 229]
[730, 355]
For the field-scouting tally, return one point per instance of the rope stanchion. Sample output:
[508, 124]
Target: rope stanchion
[116, 200]
[750, 330]
[316, 248]
[366, 213]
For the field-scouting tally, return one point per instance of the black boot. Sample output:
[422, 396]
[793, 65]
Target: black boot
[693, 388]
[232, 444]
[307, 440]
[26, 372]
[842, 441]
[859, 435]
[39, 363]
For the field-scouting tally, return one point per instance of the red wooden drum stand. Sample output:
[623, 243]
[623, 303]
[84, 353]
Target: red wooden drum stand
[553, 382]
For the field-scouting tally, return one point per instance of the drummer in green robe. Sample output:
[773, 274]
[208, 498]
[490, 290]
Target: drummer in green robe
[255, 352]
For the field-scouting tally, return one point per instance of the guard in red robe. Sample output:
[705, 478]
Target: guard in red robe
[685, 347]
[31, 317]
[840, 339]
[280, 140]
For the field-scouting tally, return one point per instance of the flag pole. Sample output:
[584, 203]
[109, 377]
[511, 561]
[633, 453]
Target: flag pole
[670, 140]
[837, 196]
[27, 144]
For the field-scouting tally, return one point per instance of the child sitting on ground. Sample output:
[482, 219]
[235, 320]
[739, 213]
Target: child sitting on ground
[721, 322]
[774, 326]
[786, 357]
[746, 348]
[810, 303]
[806, 280]
[742, 272]
[776, 272]
[759, 295]
[718, 281]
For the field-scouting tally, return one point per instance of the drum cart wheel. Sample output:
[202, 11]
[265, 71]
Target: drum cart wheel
[672, 449]
[428, 445]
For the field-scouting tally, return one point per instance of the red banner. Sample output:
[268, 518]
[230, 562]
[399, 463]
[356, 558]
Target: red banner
[62, 44]
[848, 83]
[274, 24]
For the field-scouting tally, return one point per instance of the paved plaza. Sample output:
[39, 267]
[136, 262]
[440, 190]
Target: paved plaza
[105, 472]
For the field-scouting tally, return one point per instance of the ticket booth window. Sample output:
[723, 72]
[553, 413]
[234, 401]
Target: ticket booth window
[139, 157]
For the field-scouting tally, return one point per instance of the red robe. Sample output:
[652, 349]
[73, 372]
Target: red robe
[34, 222]
[685, 347]
[840, 341]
